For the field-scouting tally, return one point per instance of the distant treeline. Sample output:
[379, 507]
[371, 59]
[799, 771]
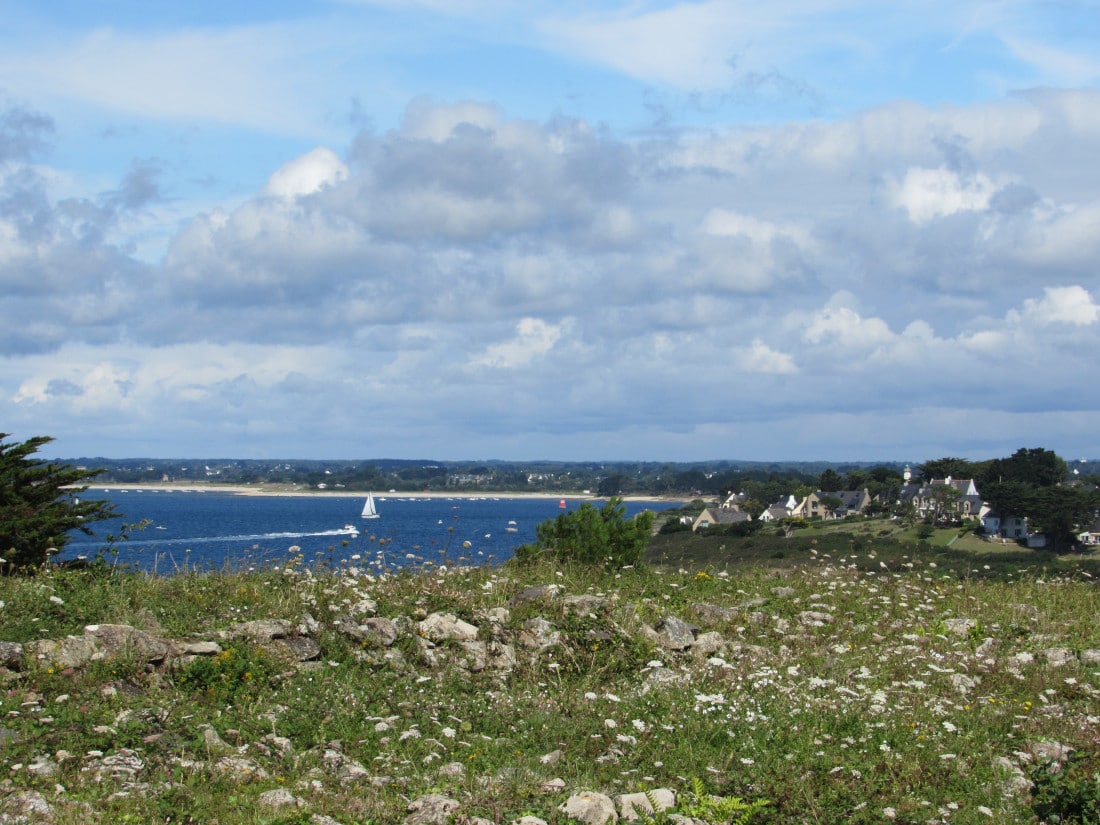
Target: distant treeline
[704, 479]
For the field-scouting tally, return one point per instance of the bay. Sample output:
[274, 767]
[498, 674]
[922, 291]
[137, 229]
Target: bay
[210, 530]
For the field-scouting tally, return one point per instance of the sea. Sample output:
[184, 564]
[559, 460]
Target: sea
[213, 530]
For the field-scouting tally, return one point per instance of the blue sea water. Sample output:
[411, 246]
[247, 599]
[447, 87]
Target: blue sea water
[215, 530]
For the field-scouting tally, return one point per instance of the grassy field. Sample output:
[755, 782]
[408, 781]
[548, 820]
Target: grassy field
[836, 676]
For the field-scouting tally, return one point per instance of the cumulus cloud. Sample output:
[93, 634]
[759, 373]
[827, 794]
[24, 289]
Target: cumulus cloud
[533, 338]
[307, 174]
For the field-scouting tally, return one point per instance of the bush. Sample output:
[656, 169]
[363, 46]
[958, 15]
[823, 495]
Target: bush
[588, 535]
[39, 504]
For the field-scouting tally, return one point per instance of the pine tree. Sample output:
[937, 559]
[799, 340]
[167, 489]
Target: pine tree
[40, 505]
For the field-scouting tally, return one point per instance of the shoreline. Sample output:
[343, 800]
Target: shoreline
[277, 490]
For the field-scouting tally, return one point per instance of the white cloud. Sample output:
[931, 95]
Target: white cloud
[534, 338]
[759, 357]
[927, 194]
[308, 174]
[1059, 305]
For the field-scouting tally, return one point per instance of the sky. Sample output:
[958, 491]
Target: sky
[838, 230]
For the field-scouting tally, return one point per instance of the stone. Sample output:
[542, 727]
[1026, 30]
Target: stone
[453, 770]
[379, 631]
[72, 651]
[198, 648]
[440, 627]
[1090, 656]
[783, 592]
[1049, 751]
[714, 614]
[42, 766]
[278, 799]
[584, 605]
[123, 640]
[814, 618]
[673, 633]
[11, 655]
[590, 807]
[538, 634]
[707, 644]
[528, 820]
[475, 658]
[432, 809]
[537, 593]
[633, 805]
[25, 805]
[240, 769]
[302, 648]
[261, 630]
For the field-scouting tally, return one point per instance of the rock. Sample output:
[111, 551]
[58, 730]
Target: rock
[123, 640]
[707, 644]
[433, 809]
[1015, 782]
[584, 605]
[714, 614]
[783, 592]
[11, 655]
[501, 656]
[439, 627]
[72, 651]
[476, 656]
[814, 618]
[240, 769]
[1049, 751]
[674, 633]
[633, 805]
[213, 742]
[26, 806]
[261, 630]
[122, 764]
[552, 758]
[364, 607]
[555, 785]
[538, 593]
[279, 798]
[1090, 657]
[42, 766]
[301, 648]
[590, 807]
[198, 648]
[529, 820]
[380, 632]
[538, 634]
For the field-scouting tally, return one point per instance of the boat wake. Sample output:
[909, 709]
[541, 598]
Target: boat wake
[155, 541]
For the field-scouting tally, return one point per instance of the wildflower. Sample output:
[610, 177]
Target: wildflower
[57, 600]
[639, 725]
[610, 723]
[890, 813]
[982, 809]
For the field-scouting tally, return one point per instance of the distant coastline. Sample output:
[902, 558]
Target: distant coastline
[296, 490]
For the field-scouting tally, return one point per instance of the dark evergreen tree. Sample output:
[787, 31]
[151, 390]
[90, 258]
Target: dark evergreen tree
[39, 504]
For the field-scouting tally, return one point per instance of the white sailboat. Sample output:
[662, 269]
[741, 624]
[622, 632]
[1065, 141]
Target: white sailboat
[369, 510]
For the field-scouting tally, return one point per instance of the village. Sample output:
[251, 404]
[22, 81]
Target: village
[941, 501]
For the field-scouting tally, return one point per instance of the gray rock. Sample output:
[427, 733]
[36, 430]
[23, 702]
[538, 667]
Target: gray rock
[538, 593]
[239, 769]
[584, 605]
[453, 770]
[1049, 751]
[278, 799]
[783, 592]
[633, 805]
[1090, 657]
[261, 630]
[380, 632]
[538, 634]
[72, 651]
[198, 648]
[475, 658]
[590, 807]
[707, 644]
[439, 627]
[11, 655]
[673, 633]
[42, 766]
[122, 640]
[302, 648]
[529, 820]
[814, 618]
[26, 806]
[433, 809]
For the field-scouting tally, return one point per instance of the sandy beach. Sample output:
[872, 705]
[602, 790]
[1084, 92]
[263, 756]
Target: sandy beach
[295, 490]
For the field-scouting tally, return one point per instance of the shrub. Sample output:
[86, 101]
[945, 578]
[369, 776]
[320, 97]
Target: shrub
[591, 535]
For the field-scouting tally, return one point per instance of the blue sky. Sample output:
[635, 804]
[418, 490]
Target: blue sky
[482, 229]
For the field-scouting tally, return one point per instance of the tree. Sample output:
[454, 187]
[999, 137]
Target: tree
[39, 505]
[1034, 466]
[614, 485]
[589, 535]
[830, 481]
[944, 467]
[1059, 512]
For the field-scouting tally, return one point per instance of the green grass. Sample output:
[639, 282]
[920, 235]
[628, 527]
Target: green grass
[882, 706]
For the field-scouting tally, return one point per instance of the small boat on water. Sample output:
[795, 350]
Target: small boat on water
[369, 508]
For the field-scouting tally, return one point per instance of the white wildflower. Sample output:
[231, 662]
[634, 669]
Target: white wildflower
[610, 723]
[982, 809]
[890, 813]
[950, 728]
[57, 600]
[638, 724]
[449, 733]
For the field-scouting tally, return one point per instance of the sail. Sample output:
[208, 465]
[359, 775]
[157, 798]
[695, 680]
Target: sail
[369, 510]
